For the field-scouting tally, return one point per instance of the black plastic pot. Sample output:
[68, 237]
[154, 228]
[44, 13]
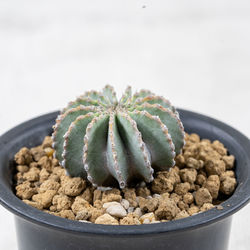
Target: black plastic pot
[37, 230]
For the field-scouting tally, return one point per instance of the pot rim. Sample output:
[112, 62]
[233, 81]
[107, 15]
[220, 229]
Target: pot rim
[239, 199]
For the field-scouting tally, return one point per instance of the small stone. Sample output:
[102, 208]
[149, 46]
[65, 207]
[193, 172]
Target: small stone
[188, 198]
[182, 205]
[88, 195]
[215, 167]
[219, 207]
[147, 218]
[111, 195]
[148, 205]
[156, 196]
[22, 168]
[213, 185]
[193, 138]
[25, 191]
[182, 188]
[54, 177]
[167, 210]
[229, 160]
[55, 163]
[130, 195]
[206, 206]
[180, 160]
[111, 203]
[195, 164]
[173, 175]
[58, 171]
[47, 142]
[125, 203]
[98, 204]
[49, 185]
[86, 221]
[226, 174]
[182, 214]
[203, 196]
[193, 210]
[166, 195]
[45, 162]
[138, 212]
[61, 202]
[73, 186]
[115, 209]
[106, 219]
[79, 205]
[228, 185]
[188, 175]
[130, 219]
[32, 174]
[219, 147]
[162, 184]
[43, 175]
[33, 204]
[97, 195]
[45, 199]
[37, 153]
[67, 214]
[131, 209]
[49, 151]
[201, 179]
[175, 197]
[83, 214]
[23, 157]
[95, 213]
[52, 208]
[19, 178]
[143, 192]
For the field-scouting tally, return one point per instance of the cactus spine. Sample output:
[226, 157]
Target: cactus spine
[98, 138]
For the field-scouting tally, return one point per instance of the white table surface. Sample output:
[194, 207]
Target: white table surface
[196, 53]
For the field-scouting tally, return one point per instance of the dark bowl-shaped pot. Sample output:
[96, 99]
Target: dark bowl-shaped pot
[37, 230]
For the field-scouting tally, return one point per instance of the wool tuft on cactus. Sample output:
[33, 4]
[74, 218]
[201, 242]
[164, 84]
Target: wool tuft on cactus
[108, 142]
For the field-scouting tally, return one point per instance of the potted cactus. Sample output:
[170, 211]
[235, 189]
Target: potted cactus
[133, 144]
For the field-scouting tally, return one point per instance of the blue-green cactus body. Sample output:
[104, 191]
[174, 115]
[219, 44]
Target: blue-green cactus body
[108, 141]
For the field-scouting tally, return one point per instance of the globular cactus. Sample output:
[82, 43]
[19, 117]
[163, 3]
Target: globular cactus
[107, 141]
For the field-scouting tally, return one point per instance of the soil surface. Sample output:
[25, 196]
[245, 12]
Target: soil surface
[202, 178]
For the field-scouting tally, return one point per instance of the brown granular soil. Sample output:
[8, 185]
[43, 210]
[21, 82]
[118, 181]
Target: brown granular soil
[202, 178]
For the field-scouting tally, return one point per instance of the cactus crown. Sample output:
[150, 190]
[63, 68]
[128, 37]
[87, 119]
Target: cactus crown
[105, 140]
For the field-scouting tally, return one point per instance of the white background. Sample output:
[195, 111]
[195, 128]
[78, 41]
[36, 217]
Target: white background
[196, 53]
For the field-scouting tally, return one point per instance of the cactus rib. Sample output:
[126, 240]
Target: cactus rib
[73, 145]
[62, 124]
[156, 136]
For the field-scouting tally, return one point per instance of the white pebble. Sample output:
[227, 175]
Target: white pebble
[138, 211]
[125, 203]
[115, 209]
[86, 221]
[147, 218]
[156, 196]
[146, 221]
[131, 209]
[108, 204]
